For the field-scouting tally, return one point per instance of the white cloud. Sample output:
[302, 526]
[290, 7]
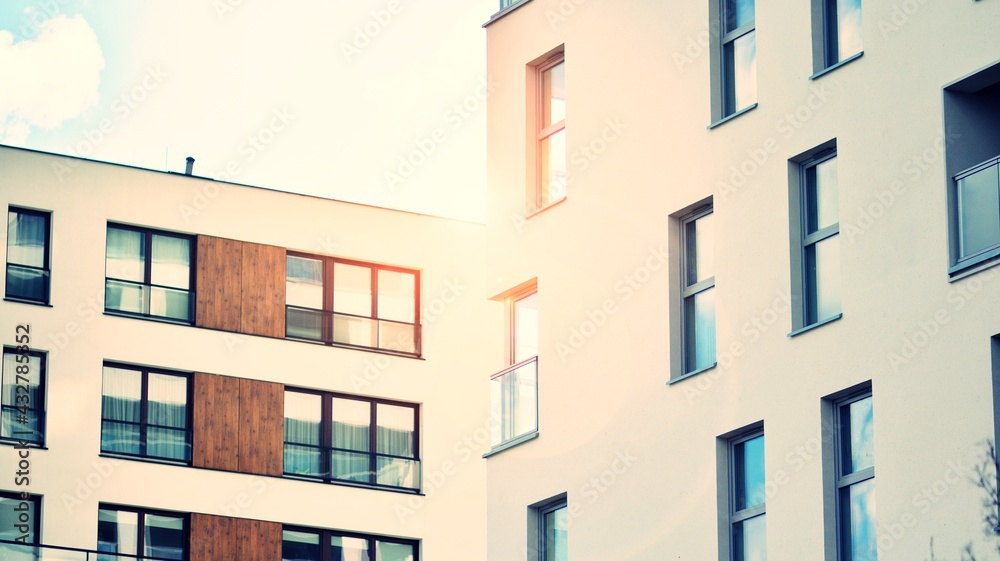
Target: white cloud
[50, 79]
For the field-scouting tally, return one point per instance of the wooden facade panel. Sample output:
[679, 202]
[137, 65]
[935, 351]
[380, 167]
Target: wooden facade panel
[258, 541]
[263, 278]
[215, 416]
[261, 439]
[218, 283]
[214, 537]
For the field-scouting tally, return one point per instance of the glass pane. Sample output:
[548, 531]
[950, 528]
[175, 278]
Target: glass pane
[821, 196]
[126, 257]
[16, 421]
[823, 279]
[750, 540]
[125, 297]
[352, 289]
[167, 400]
[11, 510]
[857, 431]
[349, 549]
[117, 531]
[29, 284]
[553, 167]
[352, 466]
[526, 328]
[171, 264]
[738, 13]
[858, 512]
[514, 403]
[849, 28]
[398, 472]
[397, 298]
[978, 212]
[699, 239]
[741, 72]
[304, 282]
[170, 303]
[699, 330]
[351, 422]
[388, 551]
[21, 424]
[556, 544]
[554, 94]
[749, 467]
[168, 443]
[396, 430]
[164, 536]
[118, 437]
[299, 546]
[397, 337]
[26, 236]
[304, 460]
[305, 324]
[354, 330]
[121, 391]
[303, 417]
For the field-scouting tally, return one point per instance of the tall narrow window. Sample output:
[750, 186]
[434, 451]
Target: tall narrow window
[352, 303]
[27, 255]
[977, 200]
[148, 273]
[553, 523]
[842, 29]
[337, 437]
[22, 396]
[854, 459]
[747, 498]
[145, 413]
[550, 137]
[137, 532]
[820, 226]
[301, 544]
[19, 522]
[514, 390]
[697, 290]
[739, 55]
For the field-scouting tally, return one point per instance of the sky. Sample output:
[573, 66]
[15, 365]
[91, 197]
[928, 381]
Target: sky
[380, 102]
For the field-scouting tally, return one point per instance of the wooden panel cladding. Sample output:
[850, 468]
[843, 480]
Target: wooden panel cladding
[261, 427]
[216, 538]
[215, 417]
[263, 293]
[218, 283]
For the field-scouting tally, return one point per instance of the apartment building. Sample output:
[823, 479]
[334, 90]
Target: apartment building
[200, 370]
[746, 253]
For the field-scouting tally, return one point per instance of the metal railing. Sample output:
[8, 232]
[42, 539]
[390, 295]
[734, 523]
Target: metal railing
[514, 401]
[352, 330]
[16, 551]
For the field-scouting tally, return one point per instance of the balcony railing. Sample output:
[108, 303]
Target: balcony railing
[334, 464]
[351, 330]
[14, 551]
[148, 300]
[514, 401]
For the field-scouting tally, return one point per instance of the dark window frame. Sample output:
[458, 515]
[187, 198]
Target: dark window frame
[326, 440]
[689, 291]
[727, 38]
[43, 358]
[543, 510]
[37, 522]
[325, 535]
[842, 480]
[734, 515]
[148, 234]
[328, 303]
[143, 423]
[140, 529]
[810, 314]
[47, 259]
[831, 35]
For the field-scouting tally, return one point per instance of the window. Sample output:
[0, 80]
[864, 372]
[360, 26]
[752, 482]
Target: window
[514, 390]
[145, 413]
[345, 438]
[550, 179]
[148, 273]
[977, 202]
[736, 83]
[22, 396]
[353, 303]
[854, 471]
[19, 519]
[818, 253]
[323, 545]
[747, 497]
[697, 290]
[150, 534]
[553, 522]
[841, 30]
[27, 255]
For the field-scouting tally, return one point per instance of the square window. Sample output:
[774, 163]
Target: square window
[22, 396]
[145, 413]
[514, 390]
[549, 125]
[20, 521]
[149, 274]
[302, 544]
[28, 255]
[149, 534]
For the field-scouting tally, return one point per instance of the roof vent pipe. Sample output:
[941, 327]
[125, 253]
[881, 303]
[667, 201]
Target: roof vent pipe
[190, 166]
